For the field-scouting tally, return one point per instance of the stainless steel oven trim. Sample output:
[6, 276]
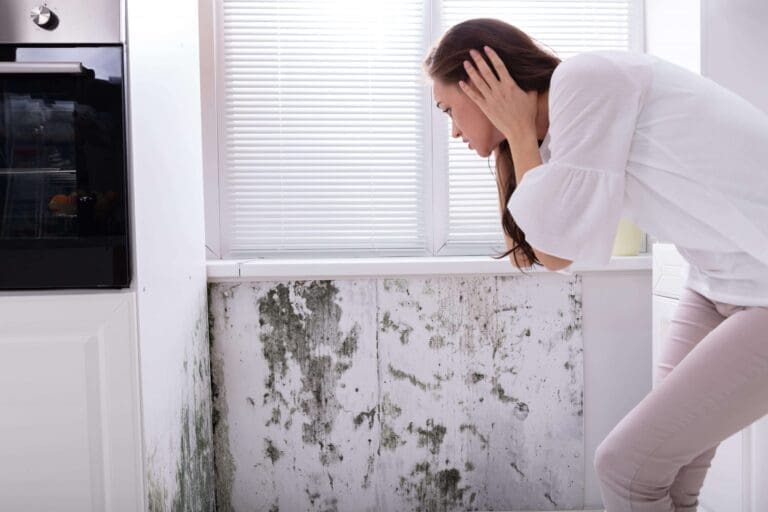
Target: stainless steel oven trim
[78, 22]
[58, 68]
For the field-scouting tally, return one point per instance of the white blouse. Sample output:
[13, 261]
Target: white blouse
[631, 135]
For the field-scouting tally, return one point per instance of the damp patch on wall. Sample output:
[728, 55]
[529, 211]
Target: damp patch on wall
[449, 393]
[192, 484]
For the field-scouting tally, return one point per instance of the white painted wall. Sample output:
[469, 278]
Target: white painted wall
[169, 248]
[617, 357]
[439, 393]
[616, 332]
[672, 31]
[734, 41]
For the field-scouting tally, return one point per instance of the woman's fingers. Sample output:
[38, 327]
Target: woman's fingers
[498, 64]
[482, 66]
[476, 78]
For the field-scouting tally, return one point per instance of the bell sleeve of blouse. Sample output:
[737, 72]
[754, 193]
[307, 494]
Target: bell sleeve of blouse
[570, 206]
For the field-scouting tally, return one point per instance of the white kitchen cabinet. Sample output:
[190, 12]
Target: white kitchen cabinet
[69, 395]
[736, 480]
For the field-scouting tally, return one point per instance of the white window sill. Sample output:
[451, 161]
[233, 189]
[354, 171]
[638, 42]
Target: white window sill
[339, 268]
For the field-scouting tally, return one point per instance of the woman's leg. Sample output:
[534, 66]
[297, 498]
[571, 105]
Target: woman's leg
[694, 317]
[717, 389]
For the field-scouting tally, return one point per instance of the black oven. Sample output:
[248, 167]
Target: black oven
[64, 216]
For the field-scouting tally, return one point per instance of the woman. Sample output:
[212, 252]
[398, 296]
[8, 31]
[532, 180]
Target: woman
[605, 135]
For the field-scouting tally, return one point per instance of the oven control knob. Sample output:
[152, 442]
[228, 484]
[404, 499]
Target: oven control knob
[42, 16]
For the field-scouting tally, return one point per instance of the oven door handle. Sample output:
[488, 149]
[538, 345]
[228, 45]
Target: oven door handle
[58, 68]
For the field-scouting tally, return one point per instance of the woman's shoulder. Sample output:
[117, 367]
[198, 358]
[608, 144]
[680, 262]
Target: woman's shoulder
[603, 69]
[603, 63]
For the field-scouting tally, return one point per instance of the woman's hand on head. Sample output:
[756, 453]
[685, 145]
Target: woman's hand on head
[511, 109]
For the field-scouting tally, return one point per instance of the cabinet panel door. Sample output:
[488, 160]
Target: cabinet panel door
[70, 436]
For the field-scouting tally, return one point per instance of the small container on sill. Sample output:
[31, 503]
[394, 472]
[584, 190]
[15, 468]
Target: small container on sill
[628, 239]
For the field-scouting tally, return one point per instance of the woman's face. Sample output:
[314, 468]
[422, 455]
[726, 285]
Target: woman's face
[468, 121]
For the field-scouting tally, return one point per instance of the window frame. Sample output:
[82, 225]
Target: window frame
[435, 184]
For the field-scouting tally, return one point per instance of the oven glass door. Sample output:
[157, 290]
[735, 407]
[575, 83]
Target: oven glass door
[63, 204]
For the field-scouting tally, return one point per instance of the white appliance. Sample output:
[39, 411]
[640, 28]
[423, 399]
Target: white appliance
[736, 481]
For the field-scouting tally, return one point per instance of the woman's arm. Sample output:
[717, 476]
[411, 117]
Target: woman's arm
[526, 156]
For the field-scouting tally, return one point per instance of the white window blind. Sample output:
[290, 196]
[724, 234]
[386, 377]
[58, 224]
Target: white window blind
[565, 26]
[322, 129]
[329, 141]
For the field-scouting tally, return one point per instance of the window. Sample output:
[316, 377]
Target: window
[328, 141]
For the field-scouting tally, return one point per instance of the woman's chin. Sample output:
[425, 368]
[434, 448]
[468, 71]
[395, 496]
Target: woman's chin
[483, 152]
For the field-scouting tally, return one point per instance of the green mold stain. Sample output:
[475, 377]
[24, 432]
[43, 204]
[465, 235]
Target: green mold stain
[405, 330]
[521, 408]
[275, 419]
[358, 420]
[341, 367]
[223, 461]
[194, 467]
[389, 438]
[368, 471]
[473, 429]
[405, 334]
[400, 285]
[412, 304]
[157, 494]
[547, 495]
[195, 479]
[575, 301]
[387, 323]
[436, 342]
[329, 454]
[576, 311]
[303, 332]
[312, 496]
[497, 343]
[401, 375]
[441, 378]
[432, 436]
[468, 466]
[349, 345]
[432, 492]
[476, 377]
[272, 452]
[389, 408]
[569, 330]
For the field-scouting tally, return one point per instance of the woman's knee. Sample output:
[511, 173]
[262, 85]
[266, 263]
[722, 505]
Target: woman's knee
[610, 459]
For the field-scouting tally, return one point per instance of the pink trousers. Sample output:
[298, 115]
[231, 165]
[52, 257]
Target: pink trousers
[710, 381]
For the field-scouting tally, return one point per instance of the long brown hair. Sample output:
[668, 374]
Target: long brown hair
[528, 63]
